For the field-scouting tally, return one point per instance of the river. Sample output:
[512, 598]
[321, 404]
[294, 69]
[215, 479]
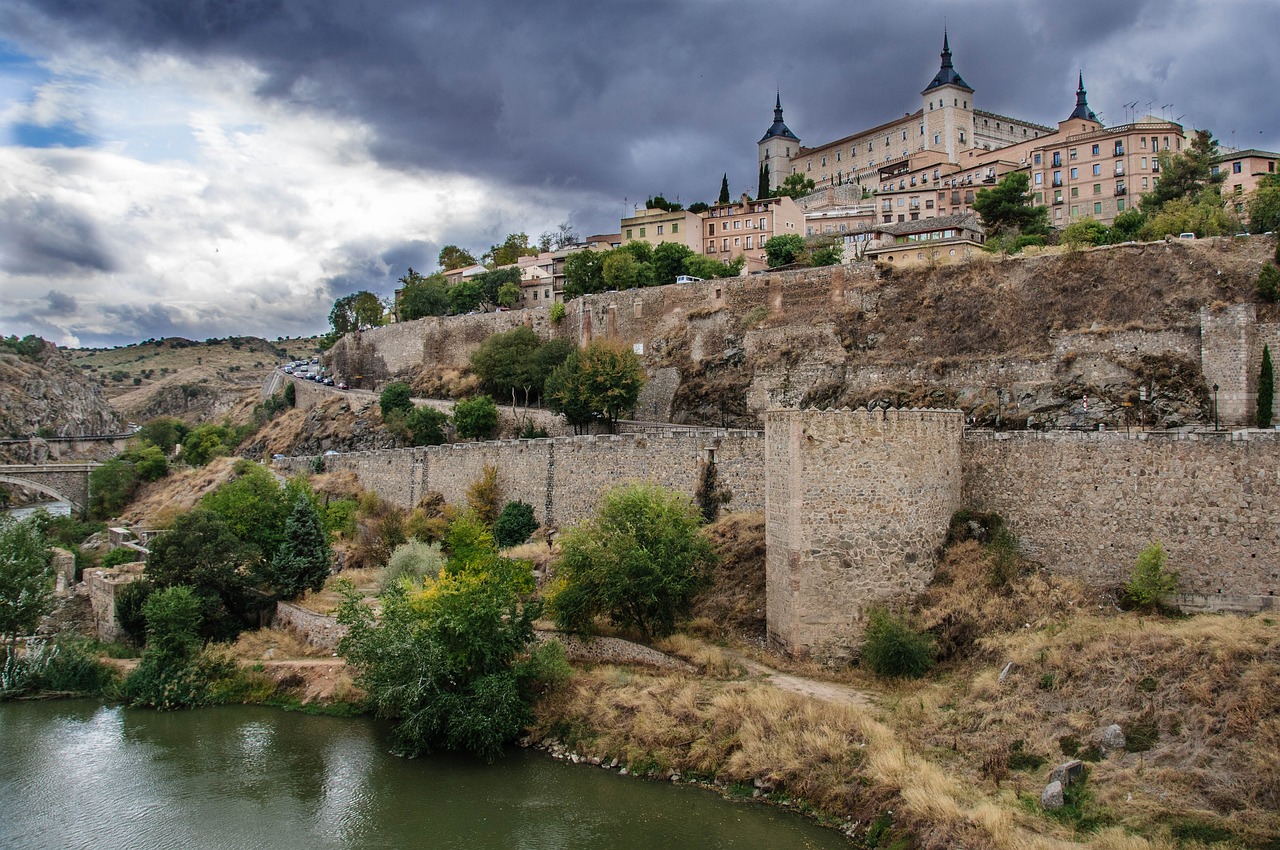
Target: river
[77, 774]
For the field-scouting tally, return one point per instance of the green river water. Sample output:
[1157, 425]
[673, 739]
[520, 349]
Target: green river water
[76, 774]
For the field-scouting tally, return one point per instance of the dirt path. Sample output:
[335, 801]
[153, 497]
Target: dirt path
[829, 691]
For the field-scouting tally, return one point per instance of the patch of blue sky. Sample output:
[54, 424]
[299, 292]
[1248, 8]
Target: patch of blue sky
[61, 135]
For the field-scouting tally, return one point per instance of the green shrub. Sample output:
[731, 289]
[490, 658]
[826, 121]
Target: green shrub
[413, 561]
[120, 555]
[557, 313]
[75, 669]
[1268, 285]
[130, 602]
[1150, 582]
[475, 417]
[892, 649]
[395, 396]
[1142, 734]
[514, 525]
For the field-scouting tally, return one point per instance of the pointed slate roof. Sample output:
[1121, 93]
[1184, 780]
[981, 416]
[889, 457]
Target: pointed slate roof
[1082, 109]
[947, 75]
[778, 128]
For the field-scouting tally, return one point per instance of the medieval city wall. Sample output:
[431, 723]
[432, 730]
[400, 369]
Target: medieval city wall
[857, 503]
[1088, 503]
[562, 478]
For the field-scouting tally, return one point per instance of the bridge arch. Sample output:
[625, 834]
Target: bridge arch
[68, 482]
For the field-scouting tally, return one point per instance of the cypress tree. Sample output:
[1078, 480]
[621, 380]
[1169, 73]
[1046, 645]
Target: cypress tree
[763, 190]
[1266, 389]
[303, 560]
[724, 189]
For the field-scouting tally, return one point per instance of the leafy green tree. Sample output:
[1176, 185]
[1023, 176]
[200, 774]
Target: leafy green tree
[452, 257]
[783, 250]
[509, 294]
[657, 202]
[621, 271]
[444, 660]
[602, 381]
[491, 283]
[395, 396]
[1264, 208]
[700, 265]
[164, 431]
[202, 552]
[205, 442]
[423, 296]
[826, 251]
[583, 273]
[1086, 231]
[465, 296]
[1266, 388]
[111, 487]
[1008, 207]
[506, 362]
[699, 207]
[795, 186]
[1205, 217]
[149, 461]
[358, 311]
[302, 561]
[174, 672]
[254, 507]
[1151, 580]
[892, 649]
[668, 262]
[1127, 226]
[26, 578]
[425, 426]
[130, 599]
[514, 525]
[639, 562]
[413, 561]
[515, 246]
[724, 190]
[475, 417]
[549, 355]
[1185, 176]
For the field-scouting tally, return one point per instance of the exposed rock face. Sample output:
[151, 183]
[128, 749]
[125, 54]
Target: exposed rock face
[339, 423]
[44, 393]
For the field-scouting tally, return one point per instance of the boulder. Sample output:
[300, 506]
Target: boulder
[1068, 773]
[1052, 798]
[1113, 738]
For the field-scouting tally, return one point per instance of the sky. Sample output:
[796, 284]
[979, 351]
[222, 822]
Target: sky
[206, 168]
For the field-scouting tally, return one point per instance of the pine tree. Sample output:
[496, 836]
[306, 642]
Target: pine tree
[724, 189]
[1266, 389]
[302, 563]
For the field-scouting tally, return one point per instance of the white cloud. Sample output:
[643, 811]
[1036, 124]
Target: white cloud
[232, 213]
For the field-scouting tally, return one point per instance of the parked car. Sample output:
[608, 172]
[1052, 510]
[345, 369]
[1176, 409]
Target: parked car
[328, 382]
[342, 385]
[688, 278]
[1186, 236]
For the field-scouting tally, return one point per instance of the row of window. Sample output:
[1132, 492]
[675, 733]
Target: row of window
[737, 243]
[675, 228]
[737, 225]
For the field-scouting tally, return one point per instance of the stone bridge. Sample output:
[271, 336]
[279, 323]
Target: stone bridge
[38, 450]
[66, 481]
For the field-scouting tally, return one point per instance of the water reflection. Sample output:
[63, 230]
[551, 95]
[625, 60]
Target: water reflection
[80, 775]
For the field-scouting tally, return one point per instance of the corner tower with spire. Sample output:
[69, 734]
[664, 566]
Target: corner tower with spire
[776, 148]
[946, 122]
[1082, 119]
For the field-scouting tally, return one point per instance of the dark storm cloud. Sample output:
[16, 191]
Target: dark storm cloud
[40, 236]
[629, 99]
[61, 304]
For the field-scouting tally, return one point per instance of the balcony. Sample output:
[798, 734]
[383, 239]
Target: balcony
[990, 178]
[1120, 190]
[1057, 202]
[1058, 182]
[1119, 170]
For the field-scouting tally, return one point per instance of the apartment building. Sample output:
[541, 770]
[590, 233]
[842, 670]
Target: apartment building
[656, 226]
[1240, 171]
[742, 227]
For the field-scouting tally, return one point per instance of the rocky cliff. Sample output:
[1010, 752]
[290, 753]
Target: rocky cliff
[42, 393]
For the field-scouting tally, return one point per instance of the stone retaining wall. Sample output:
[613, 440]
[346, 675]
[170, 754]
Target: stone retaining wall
[311, 628]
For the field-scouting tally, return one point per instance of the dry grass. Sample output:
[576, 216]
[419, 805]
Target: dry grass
[160, 502]
[326, 601]
[711, 661]
[273, 644]
[734, 605]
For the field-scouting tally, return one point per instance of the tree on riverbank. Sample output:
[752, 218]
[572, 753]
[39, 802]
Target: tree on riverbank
[447, 657]
[26, 577]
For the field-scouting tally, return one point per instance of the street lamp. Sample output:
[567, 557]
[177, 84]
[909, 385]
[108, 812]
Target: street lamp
[1215, 407]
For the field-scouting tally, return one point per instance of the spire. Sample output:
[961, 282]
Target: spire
[778, 128]
[947, 75]
[1082, 109]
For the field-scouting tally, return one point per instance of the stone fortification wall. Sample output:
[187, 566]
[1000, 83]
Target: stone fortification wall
[563, 477]
[856, 505]
[1089, 503]
[311, 628]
